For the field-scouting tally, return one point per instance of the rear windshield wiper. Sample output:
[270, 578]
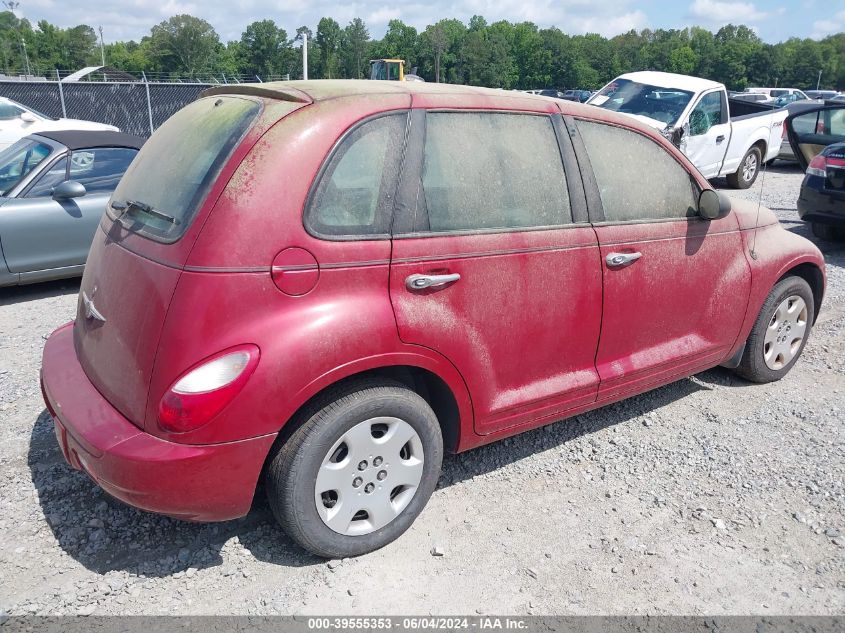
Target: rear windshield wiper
[128, 205]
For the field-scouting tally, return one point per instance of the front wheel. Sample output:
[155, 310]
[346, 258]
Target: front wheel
[746, 173]
[359, 470]
[780, 332]
[827, 232]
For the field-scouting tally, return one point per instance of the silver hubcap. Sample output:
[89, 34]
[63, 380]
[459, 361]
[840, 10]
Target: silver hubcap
[369, 476]
[786, 331]
[749, 167]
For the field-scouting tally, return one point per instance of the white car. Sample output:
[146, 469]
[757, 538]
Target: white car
[17, 121]
[721, 136]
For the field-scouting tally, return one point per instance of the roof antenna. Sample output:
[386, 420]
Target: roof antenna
[760, 200]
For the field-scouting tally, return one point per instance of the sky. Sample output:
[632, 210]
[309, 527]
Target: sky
[773, 20]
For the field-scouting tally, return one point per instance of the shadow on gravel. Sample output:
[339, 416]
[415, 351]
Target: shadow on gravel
[103, 534]
[22, 294]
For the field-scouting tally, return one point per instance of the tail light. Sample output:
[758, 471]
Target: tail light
[817, 167]
[202, 392]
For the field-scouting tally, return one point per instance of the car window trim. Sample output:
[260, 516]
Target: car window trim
[407, 225]
[385, 208]
[56, 150]
[597, 216]
[52, 163]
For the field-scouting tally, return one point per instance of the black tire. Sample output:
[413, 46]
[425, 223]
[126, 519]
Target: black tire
[827, 232]
[292, 471]
[736, 179]
[753, 366]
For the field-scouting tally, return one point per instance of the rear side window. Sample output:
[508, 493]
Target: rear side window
[637, 178]
[175, 169]
[492, 171]
[354, 195]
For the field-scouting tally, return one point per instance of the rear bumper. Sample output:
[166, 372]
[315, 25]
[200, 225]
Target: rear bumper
[822, 206]
[199, 483]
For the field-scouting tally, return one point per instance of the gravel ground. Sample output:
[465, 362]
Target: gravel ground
[707, 496]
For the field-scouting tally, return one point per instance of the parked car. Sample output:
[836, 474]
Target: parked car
[434, 268]
[821, 94]
[580, 96]
[546, 92]
[53, 189]
[751, 96]
[775, 93]
[16, 121]
[818, 139]
[720, 136]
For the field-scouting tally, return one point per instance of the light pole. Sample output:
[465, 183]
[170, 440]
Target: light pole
[25, 56]
[304, 36]
[819, 80]
[102, 48]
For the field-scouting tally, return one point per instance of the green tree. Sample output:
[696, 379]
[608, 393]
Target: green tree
[683, 60]
[328, 43]
[262, 48]
[183, 44]
[400, 41]
[355, 43]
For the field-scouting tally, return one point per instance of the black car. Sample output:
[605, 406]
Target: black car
[577, 95]
[817, 137]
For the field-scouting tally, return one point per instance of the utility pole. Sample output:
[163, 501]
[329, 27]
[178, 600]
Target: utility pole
[102, 47]
[25, 56]
[819, 80]
[305, 55]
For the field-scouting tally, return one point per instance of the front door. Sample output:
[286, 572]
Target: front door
[494, 265]
[675, 286]
[709, 134]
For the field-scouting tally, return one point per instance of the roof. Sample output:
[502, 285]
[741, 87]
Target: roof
[323, 89]
[83, 139]
[671, 80]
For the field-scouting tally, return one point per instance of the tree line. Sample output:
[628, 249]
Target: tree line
[499, 54]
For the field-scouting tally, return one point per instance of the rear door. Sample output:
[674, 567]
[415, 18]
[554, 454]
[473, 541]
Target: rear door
[810, 131]
[494, 264]
[675, 286]
[709, 133]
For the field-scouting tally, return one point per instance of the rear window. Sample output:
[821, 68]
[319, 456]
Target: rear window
[168, 180]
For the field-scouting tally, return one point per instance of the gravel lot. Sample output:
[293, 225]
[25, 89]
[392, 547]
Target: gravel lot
[708, 496]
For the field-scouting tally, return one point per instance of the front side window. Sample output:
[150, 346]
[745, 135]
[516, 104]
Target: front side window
[100, 168]
[355, 190]
[46, 182]
[706, 114]
[492, 171]
[18, 161]
[637, 178]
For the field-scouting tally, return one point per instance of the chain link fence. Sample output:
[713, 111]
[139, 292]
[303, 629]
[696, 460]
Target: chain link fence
[134, 107]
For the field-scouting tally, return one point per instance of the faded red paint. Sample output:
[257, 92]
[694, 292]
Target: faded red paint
[537, 329]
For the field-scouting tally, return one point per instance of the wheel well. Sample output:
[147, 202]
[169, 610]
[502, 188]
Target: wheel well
[762, 145]
[813, 276]
[427, 384]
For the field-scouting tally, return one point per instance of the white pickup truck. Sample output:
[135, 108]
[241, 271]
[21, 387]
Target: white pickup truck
[721, 136]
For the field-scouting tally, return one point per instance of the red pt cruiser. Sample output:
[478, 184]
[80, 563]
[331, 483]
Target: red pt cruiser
[327, 284]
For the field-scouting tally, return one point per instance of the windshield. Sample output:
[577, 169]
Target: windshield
[168, 180]
[18, 161]
[661, 104]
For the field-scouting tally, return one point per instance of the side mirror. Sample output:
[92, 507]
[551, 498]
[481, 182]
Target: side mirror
[68, 189]
[28, 117]
[713, 204]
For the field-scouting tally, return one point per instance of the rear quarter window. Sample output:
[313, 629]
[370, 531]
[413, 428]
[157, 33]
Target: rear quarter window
[173, 172]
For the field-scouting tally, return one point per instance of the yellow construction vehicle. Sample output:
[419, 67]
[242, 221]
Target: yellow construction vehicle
[391, 70]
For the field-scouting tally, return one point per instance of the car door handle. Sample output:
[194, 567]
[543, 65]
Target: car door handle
[720, 138]
[421, 282]
[621, 259]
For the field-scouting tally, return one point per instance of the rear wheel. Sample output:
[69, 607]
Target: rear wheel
[780, 332]
[746, 173]
[358, 471]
